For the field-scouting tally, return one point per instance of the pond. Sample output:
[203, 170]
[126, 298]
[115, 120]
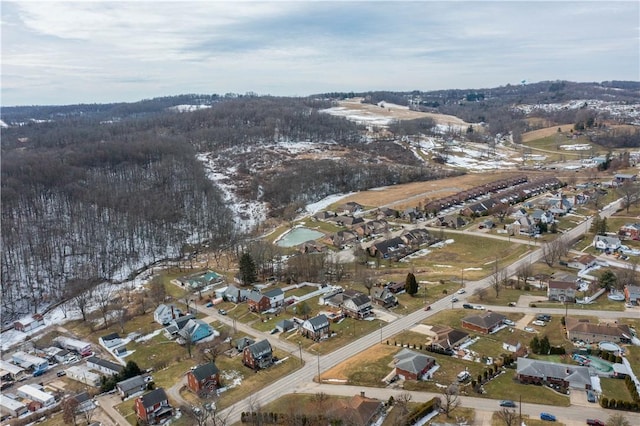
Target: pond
[298, 236]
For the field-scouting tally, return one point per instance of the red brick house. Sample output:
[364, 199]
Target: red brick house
[153, 407]
[412, 365]
[630, 230]
[258, 355]
[258, 302]
[204, 379]
[486, 322]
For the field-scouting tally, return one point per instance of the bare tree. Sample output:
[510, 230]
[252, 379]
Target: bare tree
[481, 293]
[508, 417]
[69, 409]
[210, 350]
[524, 271]
[451, 399]
[550, 252]
[87, 413]
[498, 279]
[629, 192]
[618, 420]
[104, 298]
[81, 297]
[157, 290]
[402, 405]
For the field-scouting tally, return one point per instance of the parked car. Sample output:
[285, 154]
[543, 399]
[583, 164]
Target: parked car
[222, 312]
[530, 329]
[595, 422]
[547, 417]
[209, 305]
[38, 373]
[479, 307]
[543, 317]
[508, 322]
[454, 299]
[461, 291]
[539, 323]
[507, 403]
[591, 397]
[467, 306]
[61, 373]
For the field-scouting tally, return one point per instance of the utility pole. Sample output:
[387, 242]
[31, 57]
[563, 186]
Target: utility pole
[300, 349]
[319, 379]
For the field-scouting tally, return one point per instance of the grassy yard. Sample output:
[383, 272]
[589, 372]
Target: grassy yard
[633, 355]
[505, 387]
[614, 389]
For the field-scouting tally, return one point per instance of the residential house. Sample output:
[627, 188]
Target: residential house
[452, 221]
[393, 248]
[583, 262]
[630, 231]
[275, 296]
[82, 374]
[624, 177]
[204, 379]
[29, 323]
[342, 238]
[131, 386]
[346, 220]
[386, 212]
[285, 325]
[531, 371]
[171, 330]
[324, 215]
[243, 342]
[356, 304]
[351, 207]
[29, 361]
[384, 297]
[85, 402]
[445, 338]
[258, 355]
[395, 287]
[153, 407]
[195, 330]
[105, 367]
[486, 322]
[235, 294]
[583, 329]
[632, 294]
[562, 291]
[411, 365]
[258, 302]
[316, 328]
[603, 242]
[164, 314]
[111, 340]
[359, 410]
[12, 407]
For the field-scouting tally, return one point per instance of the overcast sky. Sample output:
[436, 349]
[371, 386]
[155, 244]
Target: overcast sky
[111, 51]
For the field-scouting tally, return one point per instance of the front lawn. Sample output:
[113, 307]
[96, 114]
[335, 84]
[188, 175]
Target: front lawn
[614, 389]
[506, 387]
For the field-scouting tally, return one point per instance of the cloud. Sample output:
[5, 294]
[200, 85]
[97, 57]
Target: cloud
[102, 51]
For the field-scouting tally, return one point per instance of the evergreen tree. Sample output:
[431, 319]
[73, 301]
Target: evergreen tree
[535, 345]
[545, 346]
[247, 269]
[608, 279]
[411, 284]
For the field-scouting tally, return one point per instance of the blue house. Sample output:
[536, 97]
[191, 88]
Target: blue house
[196, 330]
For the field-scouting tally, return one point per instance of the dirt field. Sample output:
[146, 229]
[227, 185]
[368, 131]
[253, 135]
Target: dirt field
[399, 112]
[543, 133]
[371, 355]
[411, 194]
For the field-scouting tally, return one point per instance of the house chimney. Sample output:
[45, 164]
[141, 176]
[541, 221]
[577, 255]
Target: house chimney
[173, 314]
[362, 394]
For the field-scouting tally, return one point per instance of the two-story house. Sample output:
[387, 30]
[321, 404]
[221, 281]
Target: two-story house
[258, 302]
[132, 386]
[632, 294]
[315, 328]
[258, 356]
[204, 379]
[165, 313]
[275, 296]
[562, 291]
[357, 306]
[382, 296]
[603, 242]
[153, 408]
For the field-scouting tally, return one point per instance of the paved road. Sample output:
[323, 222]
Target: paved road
[305, 375]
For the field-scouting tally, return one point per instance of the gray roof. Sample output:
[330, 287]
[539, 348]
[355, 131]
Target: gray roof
[205, 371]
[485, 320]
[104, 363]
[131, 383]
[255, 296]
[577, 376]
[319, 322]
[285, 324]
[411, 361]
[274, 292]
[260, 348]
[154, 397]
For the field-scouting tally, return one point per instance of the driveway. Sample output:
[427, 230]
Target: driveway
[107, 403]
[524, 321]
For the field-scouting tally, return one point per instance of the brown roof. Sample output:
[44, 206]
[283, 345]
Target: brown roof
[584, 326]
[485, 320]
[562, 284]
[358, 410]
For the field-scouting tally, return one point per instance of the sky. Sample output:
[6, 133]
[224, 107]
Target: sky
[58, 53]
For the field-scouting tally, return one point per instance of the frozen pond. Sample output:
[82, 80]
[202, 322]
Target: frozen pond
[298, 236]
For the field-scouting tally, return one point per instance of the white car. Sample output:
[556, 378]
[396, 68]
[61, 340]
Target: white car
[530, 329]
[508, 322]
[461, 291]
[478, 307]
[539, 323]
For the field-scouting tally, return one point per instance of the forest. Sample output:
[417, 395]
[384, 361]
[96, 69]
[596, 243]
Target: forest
[94, 193]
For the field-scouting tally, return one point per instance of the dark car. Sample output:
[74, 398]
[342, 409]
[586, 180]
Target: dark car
[507, 403]
[38, 373]
[591, 397]
[467, 306]
[544, 317]
[595, 422]
[222, 312]
[61, 373]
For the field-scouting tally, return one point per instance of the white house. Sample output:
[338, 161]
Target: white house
[165, 313]
[12, 407]
[562, 291]
[35, 394]
[84, 375]
[30, 362]
[276, 297]
[110, 340]
[511, 345]
[102, 365]
[603, 242]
